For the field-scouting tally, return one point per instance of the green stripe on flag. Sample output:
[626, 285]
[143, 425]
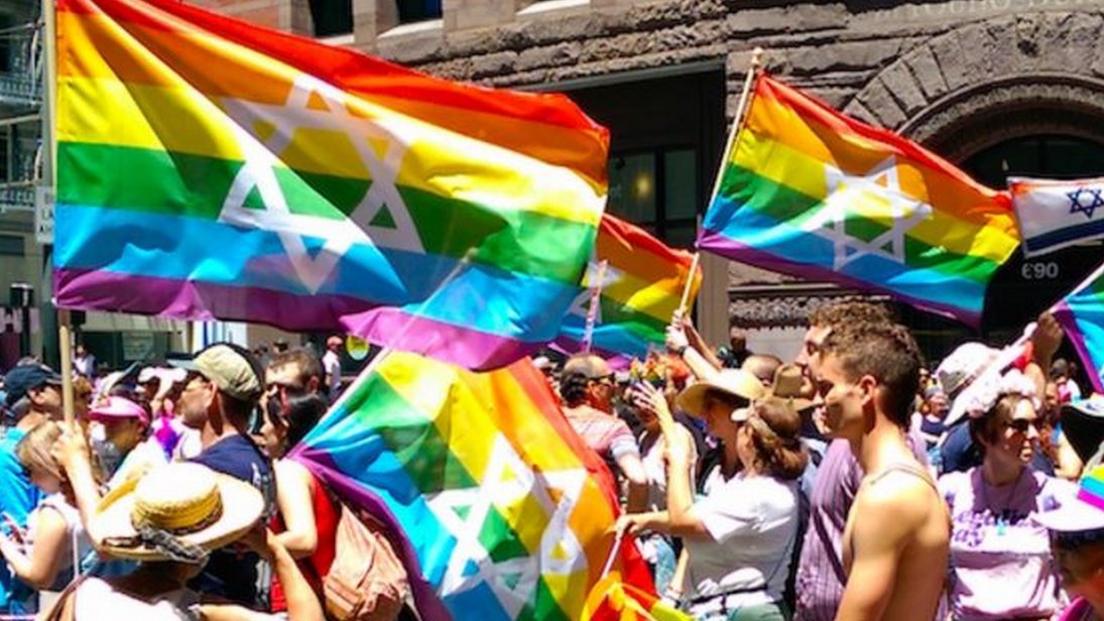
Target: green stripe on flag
[781, 203]
[196, 186]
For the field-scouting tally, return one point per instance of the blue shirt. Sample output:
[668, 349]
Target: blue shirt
[18, 497]
[230, 573]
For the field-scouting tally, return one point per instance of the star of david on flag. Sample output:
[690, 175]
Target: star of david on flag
[1053, 214]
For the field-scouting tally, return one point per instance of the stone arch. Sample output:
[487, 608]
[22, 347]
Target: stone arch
[992, 80]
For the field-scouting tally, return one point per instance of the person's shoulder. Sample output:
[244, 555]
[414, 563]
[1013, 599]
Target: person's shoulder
[896, 496]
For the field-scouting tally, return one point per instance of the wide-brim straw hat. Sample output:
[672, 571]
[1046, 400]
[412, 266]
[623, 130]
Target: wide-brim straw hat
[201, 508]
[735, 382]
[788, 382]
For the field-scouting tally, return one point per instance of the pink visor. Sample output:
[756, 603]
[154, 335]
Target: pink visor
[117, 408]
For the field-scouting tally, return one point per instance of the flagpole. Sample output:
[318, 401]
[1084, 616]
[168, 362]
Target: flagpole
[49, 177]
[738, 120]
[689, 282]
[595, 304]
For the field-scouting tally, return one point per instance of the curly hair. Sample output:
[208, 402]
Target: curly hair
[839, 314]
[885, 351]
[774, 429]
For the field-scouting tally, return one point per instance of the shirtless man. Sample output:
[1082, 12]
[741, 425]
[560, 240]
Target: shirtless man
[895, 543]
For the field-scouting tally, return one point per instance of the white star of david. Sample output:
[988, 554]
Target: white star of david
[879, 184]
[337, 233]
[494, 490]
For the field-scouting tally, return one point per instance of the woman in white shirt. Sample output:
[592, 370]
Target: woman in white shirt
[740, 536]
[44, 556]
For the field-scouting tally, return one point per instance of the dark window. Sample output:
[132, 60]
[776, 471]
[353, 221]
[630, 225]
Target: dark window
[418, 10]
[11, 245]
[666, 134]
[657, 190]
[332, 17]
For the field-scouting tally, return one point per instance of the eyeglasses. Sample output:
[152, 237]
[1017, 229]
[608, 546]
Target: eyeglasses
[1022, 425]
[603, 379]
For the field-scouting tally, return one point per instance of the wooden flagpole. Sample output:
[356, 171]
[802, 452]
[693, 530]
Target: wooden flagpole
[49, 177]
[737, 125]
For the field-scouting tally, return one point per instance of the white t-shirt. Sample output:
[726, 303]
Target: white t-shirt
[141, 459]
[331, 364]
[96, 600]
[752, 523]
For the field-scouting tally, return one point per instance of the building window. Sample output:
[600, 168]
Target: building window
[658, 190]
[11, 245]
[411, 11]
[332, 17]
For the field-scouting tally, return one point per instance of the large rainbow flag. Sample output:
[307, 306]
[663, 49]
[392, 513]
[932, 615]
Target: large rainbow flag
[641, 287]
[810, 192]
[209, 168]
[1081, 314]
[501, 509]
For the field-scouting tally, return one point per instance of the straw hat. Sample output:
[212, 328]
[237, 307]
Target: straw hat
[181, 511]
[788, 381]
[736, 382]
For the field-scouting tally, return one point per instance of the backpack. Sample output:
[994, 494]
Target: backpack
[367, 581]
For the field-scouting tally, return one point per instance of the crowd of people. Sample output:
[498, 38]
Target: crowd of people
[848, 483]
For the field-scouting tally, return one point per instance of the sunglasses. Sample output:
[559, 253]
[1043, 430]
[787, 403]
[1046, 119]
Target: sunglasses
[1022, 425]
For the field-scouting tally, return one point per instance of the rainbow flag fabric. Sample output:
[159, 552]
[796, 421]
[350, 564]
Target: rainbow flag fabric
[614, 600]
[1081, 314]
[502, 510]
[209, 168]
[641, 287]
[809, 192]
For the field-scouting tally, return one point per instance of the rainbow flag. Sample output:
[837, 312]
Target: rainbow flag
[1081, 314]
[209, 168]
[501, 509]
[641, 287]
[614, 600]
[809, 192]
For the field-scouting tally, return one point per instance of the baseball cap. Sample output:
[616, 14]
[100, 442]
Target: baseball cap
[1080, 510]
[233, 369]
[27, 377]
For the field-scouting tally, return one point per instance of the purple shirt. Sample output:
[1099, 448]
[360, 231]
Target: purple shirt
[820, 575]
[999, 554]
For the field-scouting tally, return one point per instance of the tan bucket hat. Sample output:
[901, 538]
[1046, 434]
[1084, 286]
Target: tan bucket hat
[180, 511]
[736, 382]
[788, 382]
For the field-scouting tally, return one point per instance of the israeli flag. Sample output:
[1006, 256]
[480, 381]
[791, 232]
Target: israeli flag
[1054, 214]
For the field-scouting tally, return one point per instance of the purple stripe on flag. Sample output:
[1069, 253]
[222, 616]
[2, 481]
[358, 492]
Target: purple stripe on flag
[1065, 316]
[321, 465]
[732, 249]
[388, 326]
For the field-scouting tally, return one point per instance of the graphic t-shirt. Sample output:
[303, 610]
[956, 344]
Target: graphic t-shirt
[1000, 555]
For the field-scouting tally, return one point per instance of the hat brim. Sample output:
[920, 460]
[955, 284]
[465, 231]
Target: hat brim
[1073, 515]
[242, 506]
[692, 399]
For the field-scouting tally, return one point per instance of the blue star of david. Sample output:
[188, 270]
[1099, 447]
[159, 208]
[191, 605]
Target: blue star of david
[1086, 201]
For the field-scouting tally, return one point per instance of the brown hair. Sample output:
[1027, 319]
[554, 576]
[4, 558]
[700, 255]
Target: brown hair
[884, 351]
[840, 314]
[774, 428]
[34, 450]
[304, 360]
[987, 429]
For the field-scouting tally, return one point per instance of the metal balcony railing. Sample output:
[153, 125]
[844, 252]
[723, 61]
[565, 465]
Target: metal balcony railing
[21, 70]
